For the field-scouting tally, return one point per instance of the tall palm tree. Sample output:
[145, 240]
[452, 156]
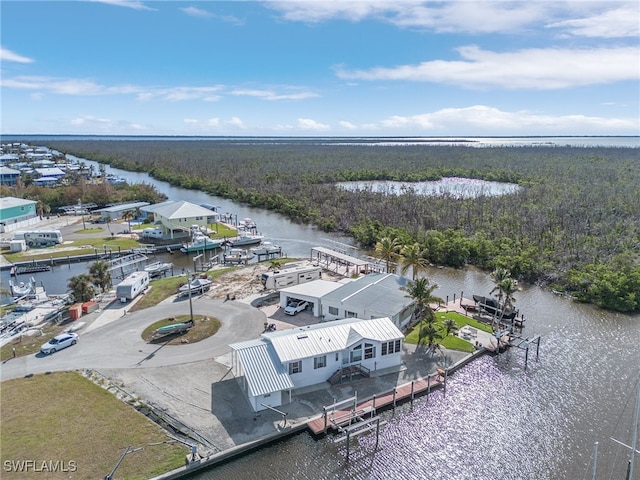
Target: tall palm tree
[127, 216]
[100, 275]
[508, 286]
[498, 276]
[421, 292]
[81, 287]
[387, 249]
[431, 335]
[449, 325]
[412, 257]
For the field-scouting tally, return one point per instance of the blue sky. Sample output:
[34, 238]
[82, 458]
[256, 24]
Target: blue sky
[342, 68]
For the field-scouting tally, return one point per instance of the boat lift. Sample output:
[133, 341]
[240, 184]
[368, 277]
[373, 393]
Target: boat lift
[127, 260]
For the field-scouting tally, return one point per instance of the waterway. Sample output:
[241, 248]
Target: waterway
[498, 419]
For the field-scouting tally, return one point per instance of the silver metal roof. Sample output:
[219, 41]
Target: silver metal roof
[261, 367]
[376, 292]
[324, 338]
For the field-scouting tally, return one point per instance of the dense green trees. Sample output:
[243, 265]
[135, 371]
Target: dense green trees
[574, 224]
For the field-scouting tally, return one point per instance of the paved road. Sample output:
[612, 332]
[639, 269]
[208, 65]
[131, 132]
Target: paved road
[118, 343]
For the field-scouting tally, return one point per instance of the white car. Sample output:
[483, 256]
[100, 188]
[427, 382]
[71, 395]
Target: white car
[59, 342]
[295, 307]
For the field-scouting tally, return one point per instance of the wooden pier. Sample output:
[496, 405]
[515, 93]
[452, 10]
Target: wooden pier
[337, 416]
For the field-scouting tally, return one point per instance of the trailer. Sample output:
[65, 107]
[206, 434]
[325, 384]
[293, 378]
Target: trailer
[39, 238]
[132, 286]
[291, 276]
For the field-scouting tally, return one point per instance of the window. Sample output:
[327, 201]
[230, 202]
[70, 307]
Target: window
[295, 367]
[369, 351]
[320, 362]
[349, 314]
[356, 354]
[333, 311]
[391, 347]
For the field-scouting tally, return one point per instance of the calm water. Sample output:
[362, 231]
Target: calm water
[497, 420]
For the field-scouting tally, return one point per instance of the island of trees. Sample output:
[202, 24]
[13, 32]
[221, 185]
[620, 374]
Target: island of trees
[574, 226]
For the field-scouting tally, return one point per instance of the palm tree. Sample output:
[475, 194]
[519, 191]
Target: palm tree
[508, 286]
[100, 275]
[127, 216]
[421, 292]
[449, 325]
[498, 276]
[81, 287]
[387, 249]
[412, 257]
[430, 333]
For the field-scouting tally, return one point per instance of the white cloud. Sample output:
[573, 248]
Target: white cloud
[190, 121]
[134, 4]
[613, 18]
[197, 12]
[309, 124]
[347, 125]
[536, 68]
[90, 123]
[9, 56]
[482, 119]
[235, 122]
[615, 23]
[271, 95]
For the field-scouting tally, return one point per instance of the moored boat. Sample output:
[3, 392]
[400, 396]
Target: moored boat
[238, 255]
[157, 268]
[266, 248]
[245, 239]
[200, 242]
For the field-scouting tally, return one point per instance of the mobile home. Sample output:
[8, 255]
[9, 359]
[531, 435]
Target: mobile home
[39, 238]
[132, 286]
[291, 276]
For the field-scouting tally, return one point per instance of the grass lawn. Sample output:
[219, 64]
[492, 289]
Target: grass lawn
[203, 328]
[85, 246]
[64, 417]
[451, 341]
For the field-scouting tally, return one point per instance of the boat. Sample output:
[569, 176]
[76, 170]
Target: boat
[238, 255]
[195, 286]
[157, 268]
[266, 248]
[245, 239]
[180, 327]
[247, 224]
[22, 289]
[200, 242]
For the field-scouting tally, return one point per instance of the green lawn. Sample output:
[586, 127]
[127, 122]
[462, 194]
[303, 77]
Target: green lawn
[66, 418]
[451, 341]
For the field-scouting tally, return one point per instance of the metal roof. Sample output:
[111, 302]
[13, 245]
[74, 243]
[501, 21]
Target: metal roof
[261, 367]
[122, 207]
[380, 292]
[323, 338]
[183, 209]
[315, 288]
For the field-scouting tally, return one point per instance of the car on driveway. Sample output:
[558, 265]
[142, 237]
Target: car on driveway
[59, 342]
[295, 307]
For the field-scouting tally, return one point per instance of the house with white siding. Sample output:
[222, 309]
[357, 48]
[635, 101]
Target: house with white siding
[271, 368]
[180, 216]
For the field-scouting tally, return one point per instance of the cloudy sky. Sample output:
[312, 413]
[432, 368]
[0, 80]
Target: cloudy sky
[320, 68]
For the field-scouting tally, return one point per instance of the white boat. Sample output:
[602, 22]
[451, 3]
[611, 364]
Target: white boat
[245, 238]
[247, 224]
[22, 289]
[237, 255]
[200, 242]
[157, 268]
[197, 285]
[266, 248]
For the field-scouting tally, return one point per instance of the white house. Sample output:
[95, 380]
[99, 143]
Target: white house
[271, 368]
[179, 216]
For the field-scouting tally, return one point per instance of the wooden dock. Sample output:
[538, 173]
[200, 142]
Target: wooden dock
[338, 418]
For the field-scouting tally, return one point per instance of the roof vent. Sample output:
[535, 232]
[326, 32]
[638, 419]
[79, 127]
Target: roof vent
[301, 336]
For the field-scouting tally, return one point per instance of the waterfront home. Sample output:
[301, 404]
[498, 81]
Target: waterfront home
[9, 176]
[271, 368]
[180, 216]
[16, 213]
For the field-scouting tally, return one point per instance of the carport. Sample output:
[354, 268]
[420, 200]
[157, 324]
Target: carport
[311, 292]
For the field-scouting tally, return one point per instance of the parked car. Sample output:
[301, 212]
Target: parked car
[59, 342]
[296, 306]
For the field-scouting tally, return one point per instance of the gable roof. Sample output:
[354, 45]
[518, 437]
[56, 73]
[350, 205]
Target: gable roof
[323, 338]
[182, 209]
[8, 202]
